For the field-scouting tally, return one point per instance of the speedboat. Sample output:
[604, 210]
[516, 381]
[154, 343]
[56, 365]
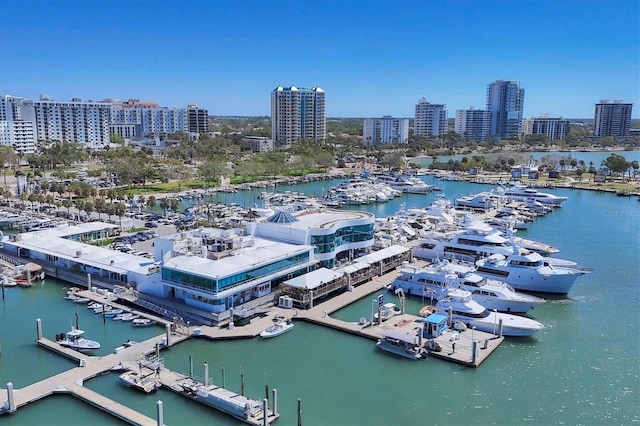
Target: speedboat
[432, 281]
[142, 322]
[144, 382]
[74, 339]
[401, 343]
[464, 308]
[530, 272]
[280, 326]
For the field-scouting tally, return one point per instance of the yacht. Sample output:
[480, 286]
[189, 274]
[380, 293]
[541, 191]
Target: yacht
[519, 192]
[74, 339]
[401, 343]
[475, 241]
[464, 308]
[433, 281]
[530, 272]
[481, 201]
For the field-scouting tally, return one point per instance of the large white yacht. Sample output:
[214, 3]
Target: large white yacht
[530, 272]
[433, 281]
[520, 192]
[475, 241]
[464, 308]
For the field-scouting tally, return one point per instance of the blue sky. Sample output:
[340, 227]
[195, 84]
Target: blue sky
[371, 57]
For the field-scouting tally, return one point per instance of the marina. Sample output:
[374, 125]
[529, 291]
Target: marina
[333, 315]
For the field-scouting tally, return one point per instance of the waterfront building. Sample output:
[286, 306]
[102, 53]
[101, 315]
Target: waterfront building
[505, 100]
[385, 130]
[16, 131]
[430, 119]
[297, 114]
[258, 143]
[612, 118]
[336, 235]
[84, 122]
[197, 119]
[473, 123]
[553, 128]
[135, 118]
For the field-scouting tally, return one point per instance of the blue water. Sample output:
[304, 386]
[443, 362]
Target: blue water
[583, 368]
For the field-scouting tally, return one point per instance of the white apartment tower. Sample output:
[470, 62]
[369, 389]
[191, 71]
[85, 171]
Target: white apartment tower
[473, 123]
[86, 123]
[385, 130]
[139, 118]
[17, 128]
[505, 100]
[297, 114]
[553, 128]
[430, 120]
[612, 118]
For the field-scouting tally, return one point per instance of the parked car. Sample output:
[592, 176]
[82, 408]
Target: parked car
[150, 224]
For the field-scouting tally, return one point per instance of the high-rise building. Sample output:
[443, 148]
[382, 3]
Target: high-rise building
[86, 123]
[473, 123]
[385, 130]
[141, 118]
[430, 119]
[297, 114]
[197, 119]
[17, 128]
[612, 118]
[554, 128]
[505, 100]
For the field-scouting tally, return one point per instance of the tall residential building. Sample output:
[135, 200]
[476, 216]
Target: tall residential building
[140, 118]
[197, 119]
[17, 128]
[75, 121]
[297, 114]
[473, 123]
[385, 130]
[430, 120]
[612, 118]
[505, 100]
[554, 128]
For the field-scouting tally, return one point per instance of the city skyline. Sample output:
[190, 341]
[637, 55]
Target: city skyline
[371, 60]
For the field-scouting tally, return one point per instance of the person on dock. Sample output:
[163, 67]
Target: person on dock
[158, 369]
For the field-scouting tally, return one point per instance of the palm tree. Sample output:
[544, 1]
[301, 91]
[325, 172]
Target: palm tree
[151, 202]
[164, 205]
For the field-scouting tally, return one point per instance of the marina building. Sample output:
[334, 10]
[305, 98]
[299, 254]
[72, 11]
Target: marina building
[297, 114]
[473, 123]
[612, 119]
[430, 119]
[385, 130]
[553, 128]
[505, 101]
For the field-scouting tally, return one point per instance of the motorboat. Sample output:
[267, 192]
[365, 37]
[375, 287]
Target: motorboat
[142, 322]
[113, 312]
[520, 192]
[388, 310]
[129, 316]
[401, 343]
[530, 272]
[482, 201]
[461, 305]
[280, 326]
[74, 339]
[81, 300]
[146, 382]
[432, 281]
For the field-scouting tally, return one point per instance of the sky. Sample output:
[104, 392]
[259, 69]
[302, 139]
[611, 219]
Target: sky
[372, 58]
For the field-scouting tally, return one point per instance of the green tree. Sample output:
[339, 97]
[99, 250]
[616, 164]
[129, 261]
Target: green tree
[616, 163]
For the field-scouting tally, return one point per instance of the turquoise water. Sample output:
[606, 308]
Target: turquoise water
[583, 368]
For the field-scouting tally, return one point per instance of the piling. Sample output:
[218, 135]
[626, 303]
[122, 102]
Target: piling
[265, 415]
[299, 413]
[160, 413]
[206, 374]
[28, 276]
[38, 329]
[191, 367]
[10, 398]
[88, 281]
[500, 328]
[474, 351]
[167, 328]
[275, 402]
[230, 319]
[222, 372]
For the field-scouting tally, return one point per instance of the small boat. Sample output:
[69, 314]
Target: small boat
[401, 343]
[113, 312]
[388, 310]
[74, 339]
[280, 326]
[81, 300]
[127, 317]
[102, 309]
[142, 322]
[144, 382]
[71, 297]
